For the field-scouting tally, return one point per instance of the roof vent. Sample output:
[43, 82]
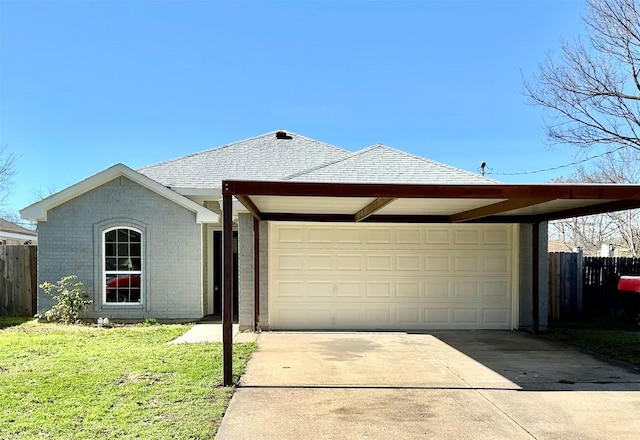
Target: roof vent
[282, 135]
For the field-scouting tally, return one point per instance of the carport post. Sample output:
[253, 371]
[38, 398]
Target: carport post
[535, 278]
[256, 275]
[227, 288]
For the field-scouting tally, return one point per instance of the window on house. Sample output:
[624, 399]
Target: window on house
[122, 265]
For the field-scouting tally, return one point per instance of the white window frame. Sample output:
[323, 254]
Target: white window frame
[104, 272]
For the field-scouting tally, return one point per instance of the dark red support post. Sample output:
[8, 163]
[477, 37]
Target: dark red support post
[227, 289]
[256, 274]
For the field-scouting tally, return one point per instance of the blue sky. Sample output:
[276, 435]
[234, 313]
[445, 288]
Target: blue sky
[87, 84]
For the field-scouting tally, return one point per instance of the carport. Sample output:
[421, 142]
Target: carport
[408, 203]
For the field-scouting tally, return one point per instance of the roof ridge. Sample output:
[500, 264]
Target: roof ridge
[328, 164]
[219, 147]
[431, 161]
[383, 146]
[225, 146]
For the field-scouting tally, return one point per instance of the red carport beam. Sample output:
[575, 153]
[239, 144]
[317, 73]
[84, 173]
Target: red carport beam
[227, 289]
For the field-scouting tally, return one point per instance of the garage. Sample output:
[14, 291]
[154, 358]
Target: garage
[391, 276]
[374, 255]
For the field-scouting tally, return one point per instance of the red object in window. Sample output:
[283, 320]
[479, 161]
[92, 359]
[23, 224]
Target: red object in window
[123, 281]
[629, 283]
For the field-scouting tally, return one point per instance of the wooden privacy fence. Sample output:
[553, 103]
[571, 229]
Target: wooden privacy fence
[565, 286]
[18, 280]
[587, 287]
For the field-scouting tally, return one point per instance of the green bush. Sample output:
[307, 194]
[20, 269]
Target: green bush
[71, 300]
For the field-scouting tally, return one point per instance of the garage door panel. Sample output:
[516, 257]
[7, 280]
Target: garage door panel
[438, 316]
[496, 237]
[290, 289]
[289, 234]
[465, 316]
[349, 262]
[377, 235]
[494, 316]
[289, 262]
[407, 315]
[376, 316]
[496, 289]
[466, 237]
[409, 236]
[319, 289]
[408, 289]
[408, 263]
[390, 277]
[379, 289]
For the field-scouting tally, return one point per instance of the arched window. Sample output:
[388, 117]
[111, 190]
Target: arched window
[122, 266]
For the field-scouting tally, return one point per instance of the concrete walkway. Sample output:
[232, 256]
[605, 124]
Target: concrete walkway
[446, 385]
[212, 332]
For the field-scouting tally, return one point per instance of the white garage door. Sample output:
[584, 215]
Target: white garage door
[380, 276]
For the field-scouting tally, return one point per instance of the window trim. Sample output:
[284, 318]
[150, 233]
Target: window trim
[104, 272]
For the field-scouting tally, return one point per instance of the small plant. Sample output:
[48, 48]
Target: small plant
[148, 322]
[71, 300]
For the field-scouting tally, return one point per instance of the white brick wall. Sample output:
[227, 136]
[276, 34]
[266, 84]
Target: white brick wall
[70, 243]
[245, 271]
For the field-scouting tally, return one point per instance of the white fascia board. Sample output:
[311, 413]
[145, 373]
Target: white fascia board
[38, 211]
[236, 206]
[18, 236]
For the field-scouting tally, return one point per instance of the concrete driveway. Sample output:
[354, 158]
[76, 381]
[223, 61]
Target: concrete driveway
[442, 385]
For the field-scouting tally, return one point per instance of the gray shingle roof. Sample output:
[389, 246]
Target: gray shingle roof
[382, 164]
[303, 159]
[260, 158]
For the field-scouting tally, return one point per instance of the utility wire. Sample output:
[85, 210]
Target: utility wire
[483, 169]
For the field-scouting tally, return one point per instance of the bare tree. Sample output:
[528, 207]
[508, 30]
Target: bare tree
[592, 92]
[7, 173]
[619, 228]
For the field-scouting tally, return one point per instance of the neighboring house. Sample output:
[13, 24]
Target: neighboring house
[13, 234]
[148, 243]
[557, 245]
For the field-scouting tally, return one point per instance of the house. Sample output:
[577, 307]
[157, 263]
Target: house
[13, 234]
[430, 246]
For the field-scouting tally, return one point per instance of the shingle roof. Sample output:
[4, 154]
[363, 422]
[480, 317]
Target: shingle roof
[260, 158]
[7, 226]
[300, 158]
[382, 164]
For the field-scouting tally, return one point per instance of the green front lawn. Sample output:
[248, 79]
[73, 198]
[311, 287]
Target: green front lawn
[610, 337]
[79, 382]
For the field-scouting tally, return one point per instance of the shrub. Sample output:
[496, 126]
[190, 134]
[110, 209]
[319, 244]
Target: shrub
[71, 300]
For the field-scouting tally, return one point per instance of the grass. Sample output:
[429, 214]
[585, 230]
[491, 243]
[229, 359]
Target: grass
[610, 337]
[80, 382]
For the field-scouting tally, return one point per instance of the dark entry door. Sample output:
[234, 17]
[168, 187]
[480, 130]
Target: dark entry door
[217, 274]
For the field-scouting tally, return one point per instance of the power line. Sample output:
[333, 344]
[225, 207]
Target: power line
[486, 170]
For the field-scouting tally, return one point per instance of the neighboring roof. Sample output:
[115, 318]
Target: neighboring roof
[382, 164]
[38, 211]
[556, 245]
[11, 228]
[263, 157]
